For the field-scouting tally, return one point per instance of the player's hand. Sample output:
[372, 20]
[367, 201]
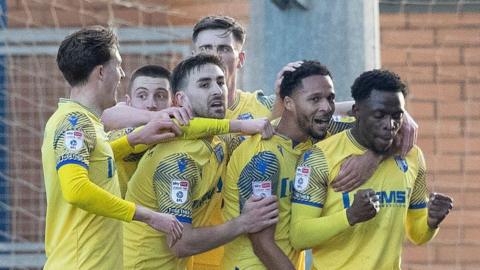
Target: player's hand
[181, 114]
[259, 213]
[288, 67]
[257, 126]
[439, 205]
[169, 225]
[161, 222]
[155, 131]
[407, 136]
[365, 206]
[355, 171]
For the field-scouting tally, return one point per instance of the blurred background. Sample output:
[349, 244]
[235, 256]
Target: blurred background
[433, 44]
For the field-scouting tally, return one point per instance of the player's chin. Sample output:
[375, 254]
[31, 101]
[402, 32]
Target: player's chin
[218, 113]
[319, 133]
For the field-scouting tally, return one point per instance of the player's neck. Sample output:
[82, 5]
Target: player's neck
[232, 89]
[288, 126]
[85, 95]
[358, 137]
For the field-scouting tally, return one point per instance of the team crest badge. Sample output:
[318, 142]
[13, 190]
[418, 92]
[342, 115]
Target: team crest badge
[245, 116]
[262, 189]
[73, 119]
[302, 177]
[179, 191]
[74, 140]
[401, 164]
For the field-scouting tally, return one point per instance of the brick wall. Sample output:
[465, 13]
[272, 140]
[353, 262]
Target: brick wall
[438, 55]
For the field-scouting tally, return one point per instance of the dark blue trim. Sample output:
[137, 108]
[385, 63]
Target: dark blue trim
[72, 161]
[184, 219]
[5, 214]
[417, 206]
[110, 167]
[346, 200]
[319, 205]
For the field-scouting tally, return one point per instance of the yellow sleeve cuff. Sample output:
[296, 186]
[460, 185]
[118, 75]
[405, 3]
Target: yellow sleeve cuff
[205, 127]
[121, 148]
[78, 190]
[417, 229]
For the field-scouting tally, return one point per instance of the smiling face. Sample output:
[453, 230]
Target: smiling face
[314, 102]
[379, 118]
[150, 93]
[206, 91]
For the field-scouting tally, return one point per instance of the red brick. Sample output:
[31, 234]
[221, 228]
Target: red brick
[458, 37]
[458, 145]
[472, 90]
[392, 56]
[421, 109]
[426, 144]
[417, 254]
[407, 37]
[471, 55]
[424, 74]
[449, 235]
[439, 127]
[471, 233]
[441, 163]
[390, 20]
[422, 20]
[434, 55]
[432, 91]
[458, 109]
[472, 163]
[472, 127]
[455, 253]
[453, 182]
[458, 73]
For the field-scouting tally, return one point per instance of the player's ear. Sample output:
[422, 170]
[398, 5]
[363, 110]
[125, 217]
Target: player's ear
[128, 100]
[241, 59]
[98, 72]
[355, 110]
[288, 103]
[180, 99]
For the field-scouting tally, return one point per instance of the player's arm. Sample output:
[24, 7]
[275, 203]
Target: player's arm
[204, 127]
[308, 228]
[424, 216]
[174, 179]
[260, 176]
[72, 148]
[123, 116]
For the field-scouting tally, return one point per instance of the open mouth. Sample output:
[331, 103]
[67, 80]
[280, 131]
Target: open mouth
[322, 121]
[217, 104]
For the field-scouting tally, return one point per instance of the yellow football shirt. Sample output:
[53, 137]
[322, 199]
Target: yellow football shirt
[319, 214]
[250, 105]
[181, 178]
[75, 238]
[261, 166]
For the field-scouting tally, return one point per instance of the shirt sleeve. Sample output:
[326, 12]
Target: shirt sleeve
[416, 225]
[173, 180]
[74, 140]
[340, 123]
[205, 127]
[307, 227]
[266, 101]
[259, 176]
[78, 190]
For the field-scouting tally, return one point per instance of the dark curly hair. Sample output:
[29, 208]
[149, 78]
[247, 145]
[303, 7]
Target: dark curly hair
[378, 79]
[293, 79]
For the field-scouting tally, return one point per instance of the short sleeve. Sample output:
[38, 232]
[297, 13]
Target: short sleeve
[173, 180]
[311, 179]
[74, 140]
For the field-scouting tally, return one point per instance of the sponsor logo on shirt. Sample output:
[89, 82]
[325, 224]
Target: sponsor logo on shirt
[179, 191]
